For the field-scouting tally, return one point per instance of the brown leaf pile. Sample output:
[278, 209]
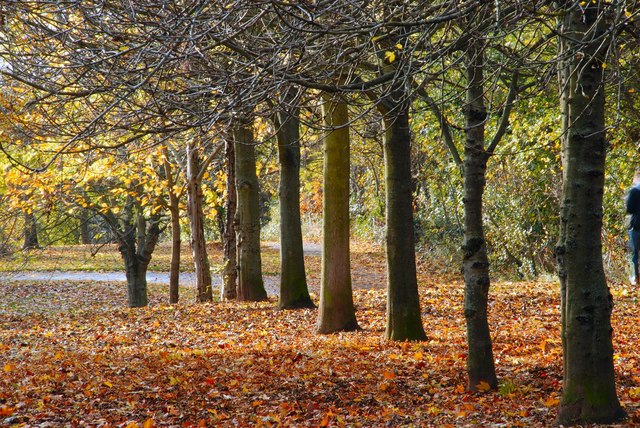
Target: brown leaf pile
[71, 355]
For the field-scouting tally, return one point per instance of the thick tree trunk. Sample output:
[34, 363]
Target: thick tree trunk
[475, 265]
[250, 283]
[196, 222]
[294, 292]
[589, 392]
[403, 303]
[229, 267]
[336, 311]
[174, 210]
[30, 231]
[136, 283]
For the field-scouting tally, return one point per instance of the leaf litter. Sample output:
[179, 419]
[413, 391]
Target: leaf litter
[72, 355]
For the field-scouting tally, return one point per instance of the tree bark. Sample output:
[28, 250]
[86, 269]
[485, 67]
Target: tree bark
[589, 392]
[475, 265]
[136, 245]
[336, 311]
[196, 222]
[229, 266]
[404, 321]
[249, 262]
[85, 235]
[30, 231]
[174, 210]
[294, 292]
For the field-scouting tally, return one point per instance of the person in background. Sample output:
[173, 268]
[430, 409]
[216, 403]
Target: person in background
[633, 208]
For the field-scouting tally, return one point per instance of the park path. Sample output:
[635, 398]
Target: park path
[187, 279]
[361, 279]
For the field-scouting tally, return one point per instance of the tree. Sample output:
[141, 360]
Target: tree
[124, 190]
[588, 393]
[247, 219]
[30, 231]
[336, 311]
[404, 321]
[174, 210]
[194, 172]
[294, 292]
[229, 250]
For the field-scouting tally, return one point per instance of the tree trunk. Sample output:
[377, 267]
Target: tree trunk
[229, 267]
[196, 221]
[403, 303]
[136, 283]
[30, 231]
[85, 235]
[294, 292]
[336, 311]
[174, 210]
[475, 265]
[589, 392]
[250, 283]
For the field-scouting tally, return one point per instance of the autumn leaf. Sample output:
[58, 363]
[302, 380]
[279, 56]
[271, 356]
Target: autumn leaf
[6, 411]
[389, 56]
[483, 386]
[551, 402]
[389, 375]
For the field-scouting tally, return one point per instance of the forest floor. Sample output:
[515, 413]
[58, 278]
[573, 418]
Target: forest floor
[72, 354]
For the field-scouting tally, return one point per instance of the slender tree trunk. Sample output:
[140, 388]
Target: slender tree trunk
[403, 303]
[196, 221]
[294, 292]
[336, 311]
[250, 283]
[475, 266]
[589, 392]
[229, 267]
[30, 231]
[174, 210]
[85, 235]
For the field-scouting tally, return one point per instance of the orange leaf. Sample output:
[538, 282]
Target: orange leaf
[483, 386]
[148, 423]
[389, 375]
[6, 411]
[384, 386]
[551, 402]
[9, 367]
[324, 422]
[133, 425]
